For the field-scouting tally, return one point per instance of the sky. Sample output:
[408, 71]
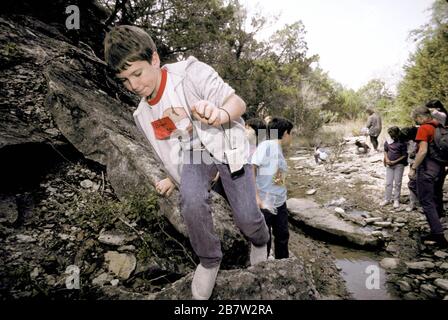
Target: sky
[357, 40]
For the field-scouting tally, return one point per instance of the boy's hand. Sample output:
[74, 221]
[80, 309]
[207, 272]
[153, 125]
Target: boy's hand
[412, 173]
[207, 113]
[278, 178]
[165, 187]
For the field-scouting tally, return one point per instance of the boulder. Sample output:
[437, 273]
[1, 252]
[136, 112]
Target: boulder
[312, 214]
[285, 279]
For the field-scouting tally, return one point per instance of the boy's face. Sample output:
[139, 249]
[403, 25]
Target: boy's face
[420, 120]
[286, 139]
[142, 77]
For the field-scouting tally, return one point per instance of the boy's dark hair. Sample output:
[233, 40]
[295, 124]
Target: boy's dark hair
[282, 125]
[436, 104]
[394, 133]
[409, 133]
[256, 124]
[369, 111]
[124, 44]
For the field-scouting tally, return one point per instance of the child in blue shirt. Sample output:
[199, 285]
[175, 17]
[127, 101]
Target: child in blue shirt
[271, 167]
[395, 159]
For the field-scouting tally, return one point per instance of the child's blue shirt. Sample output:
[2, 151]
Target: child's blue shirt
[272, 168]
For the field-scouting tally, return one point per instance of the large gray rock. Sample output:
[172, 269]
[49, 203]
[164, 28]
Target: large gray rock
[313, 215]
[23, 118]
[285, 279]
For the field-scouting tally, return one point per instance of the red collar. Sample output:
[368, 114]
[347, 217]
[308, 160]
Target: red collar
[159, 94]
[433, 122]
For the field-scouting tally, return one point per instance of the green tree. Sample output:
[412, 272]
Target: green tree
[376, 95]
[351, 104]
[426, 73]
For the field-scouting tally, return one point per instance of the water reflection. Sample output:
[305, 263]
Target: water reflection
[356, 267]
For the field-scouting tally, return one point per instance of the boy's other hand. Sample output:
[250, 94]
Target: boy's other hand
[259, 202]
[207, 113]
[165, 187]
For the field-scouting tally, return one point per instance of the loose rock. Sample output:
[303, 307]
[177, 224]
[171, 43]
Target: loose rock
[389, 263]
[121, 264]
[442, 283]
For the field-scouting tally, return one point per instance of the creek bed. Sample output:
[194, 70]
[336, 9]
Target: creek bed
[356, 267]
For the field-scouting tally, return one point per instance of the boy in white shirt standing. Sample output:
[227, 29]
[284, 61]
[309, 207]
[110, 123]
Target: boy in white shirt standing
[271, 167]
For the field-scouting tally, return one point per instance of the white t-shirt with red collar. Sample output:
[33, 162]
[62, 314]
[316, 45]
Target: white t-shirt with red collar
[168, 103]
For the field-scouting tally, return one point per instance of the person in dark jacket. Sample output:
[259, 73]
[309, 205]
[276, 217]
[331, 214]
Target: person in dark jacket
[374, 124]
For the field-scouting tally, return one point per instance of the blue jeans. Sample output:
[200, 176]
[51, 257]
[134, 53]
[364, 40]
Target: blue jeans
[195, 187]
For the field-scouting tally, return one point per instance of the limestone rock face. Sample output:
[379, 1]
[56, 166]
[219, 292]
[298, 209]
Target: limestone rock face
[311, 214]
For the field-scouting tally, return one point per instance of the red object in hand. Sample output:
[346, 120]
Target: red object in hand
[163, 128]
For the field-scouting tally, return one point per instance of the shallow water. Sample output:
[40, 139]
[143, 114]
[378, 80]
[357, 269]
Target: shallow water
[358, 268]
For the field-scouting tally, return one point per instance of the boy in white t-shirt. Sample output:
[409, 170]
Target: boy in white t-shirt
[192, 119]
[271, 167]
